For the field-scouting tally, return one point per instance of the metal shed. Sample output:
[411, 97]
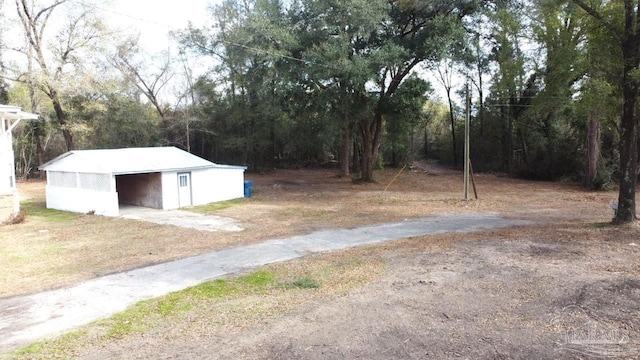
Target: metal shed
[99, 181]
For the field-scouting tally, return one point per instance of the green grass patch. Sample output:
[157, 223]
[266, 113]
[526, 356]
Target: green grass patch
[217, 206]
[34, 348]
[42, 349]
[39, 210]
[129, 321]
[173, 304]
[214, 289]
[257, 279]
[239, 300]
[141, 316]
[304, 283]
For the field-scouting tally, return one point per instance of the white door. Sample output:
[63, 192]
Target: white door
[184, 189]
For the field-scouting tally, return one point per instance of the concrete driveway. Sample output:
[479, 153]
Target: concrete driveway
[182, 218]
[31, 317]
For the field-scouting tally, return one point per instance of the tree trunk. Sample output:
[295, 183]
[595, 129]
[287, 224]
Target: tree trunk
[453, 130]
[38, 127]
[38, 134]
[426, 143]
[523, 144]
[344, 152]
[506, 140]
[593, 149]
[394, 156]
[62, 119]
[630, 46]
[510, 140]
[366, 162]
[481, 103]
[628, 150]
[370, 132]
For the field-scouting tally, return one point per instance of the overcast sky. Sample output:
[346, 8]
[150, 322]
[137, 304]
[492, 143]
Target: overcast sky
[153, 19]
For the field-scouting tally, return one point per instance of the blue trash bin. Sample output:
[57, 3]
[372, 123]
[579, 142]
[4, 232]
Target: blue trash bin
[248, 185]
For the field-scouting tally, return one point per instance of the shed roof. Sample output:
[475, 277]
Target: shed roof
[130, 161]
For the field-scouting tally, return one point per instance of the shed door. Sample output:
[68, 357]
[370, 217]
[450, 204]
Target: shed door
[184, 189]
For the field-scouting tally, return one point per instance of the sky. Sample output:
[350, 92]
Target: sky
[153, 19]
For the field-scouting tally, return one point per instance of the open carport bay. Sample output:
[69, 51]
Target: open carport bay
[140, 190]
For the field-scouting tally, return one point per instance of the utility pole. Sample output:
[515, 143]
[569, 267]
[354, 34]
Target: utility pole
[466, 144]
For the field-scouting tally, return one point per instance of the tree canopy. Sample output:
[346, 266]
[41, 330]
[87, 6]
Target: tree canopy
[348, 83]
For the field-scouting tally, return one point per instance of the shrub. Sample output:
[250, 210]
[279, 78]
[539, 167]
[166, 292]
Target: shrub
[16, 218]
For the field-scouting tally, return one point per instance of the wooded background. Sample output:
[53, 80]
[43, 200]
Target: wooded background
[345, 83]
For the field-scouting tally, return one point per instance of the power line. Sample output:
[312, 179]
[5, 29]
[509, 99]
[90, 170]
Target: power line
[168, 27]
[258, 50]
[271, 53]
[137, 19]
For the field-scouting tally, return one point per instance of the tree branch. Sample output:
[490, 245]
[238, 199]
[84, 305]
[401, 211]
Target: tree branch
[596, 15]
[48, 8]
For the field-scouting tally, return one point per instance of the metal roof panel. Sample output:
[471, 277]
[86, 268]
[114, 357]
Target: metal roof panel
[129, 161]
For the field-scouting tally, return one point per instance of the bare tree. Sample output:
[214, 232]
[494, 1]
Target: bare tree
[53, 55]
[445, 77]
[128, 60]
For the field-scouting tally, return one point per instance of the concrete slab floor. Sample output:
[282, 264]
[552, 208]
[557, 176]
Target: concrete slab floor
[182, 218]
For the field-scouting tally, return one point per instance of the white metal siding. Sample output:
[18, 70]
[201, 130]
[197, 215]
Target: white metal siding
[82, 193]
[217, 185]
[7, 167]
[170, 198]
[207, 186]
[87, 192]
[7, 182]
[82, 200]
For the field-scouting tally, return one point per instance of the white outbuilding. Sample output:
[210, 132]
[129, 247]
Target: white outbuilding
[99, 181]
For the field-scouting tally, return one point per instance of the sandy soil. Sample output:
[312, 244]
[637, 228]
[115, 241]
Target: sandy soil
[567, 286]
[530, 292]
[43, 254]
